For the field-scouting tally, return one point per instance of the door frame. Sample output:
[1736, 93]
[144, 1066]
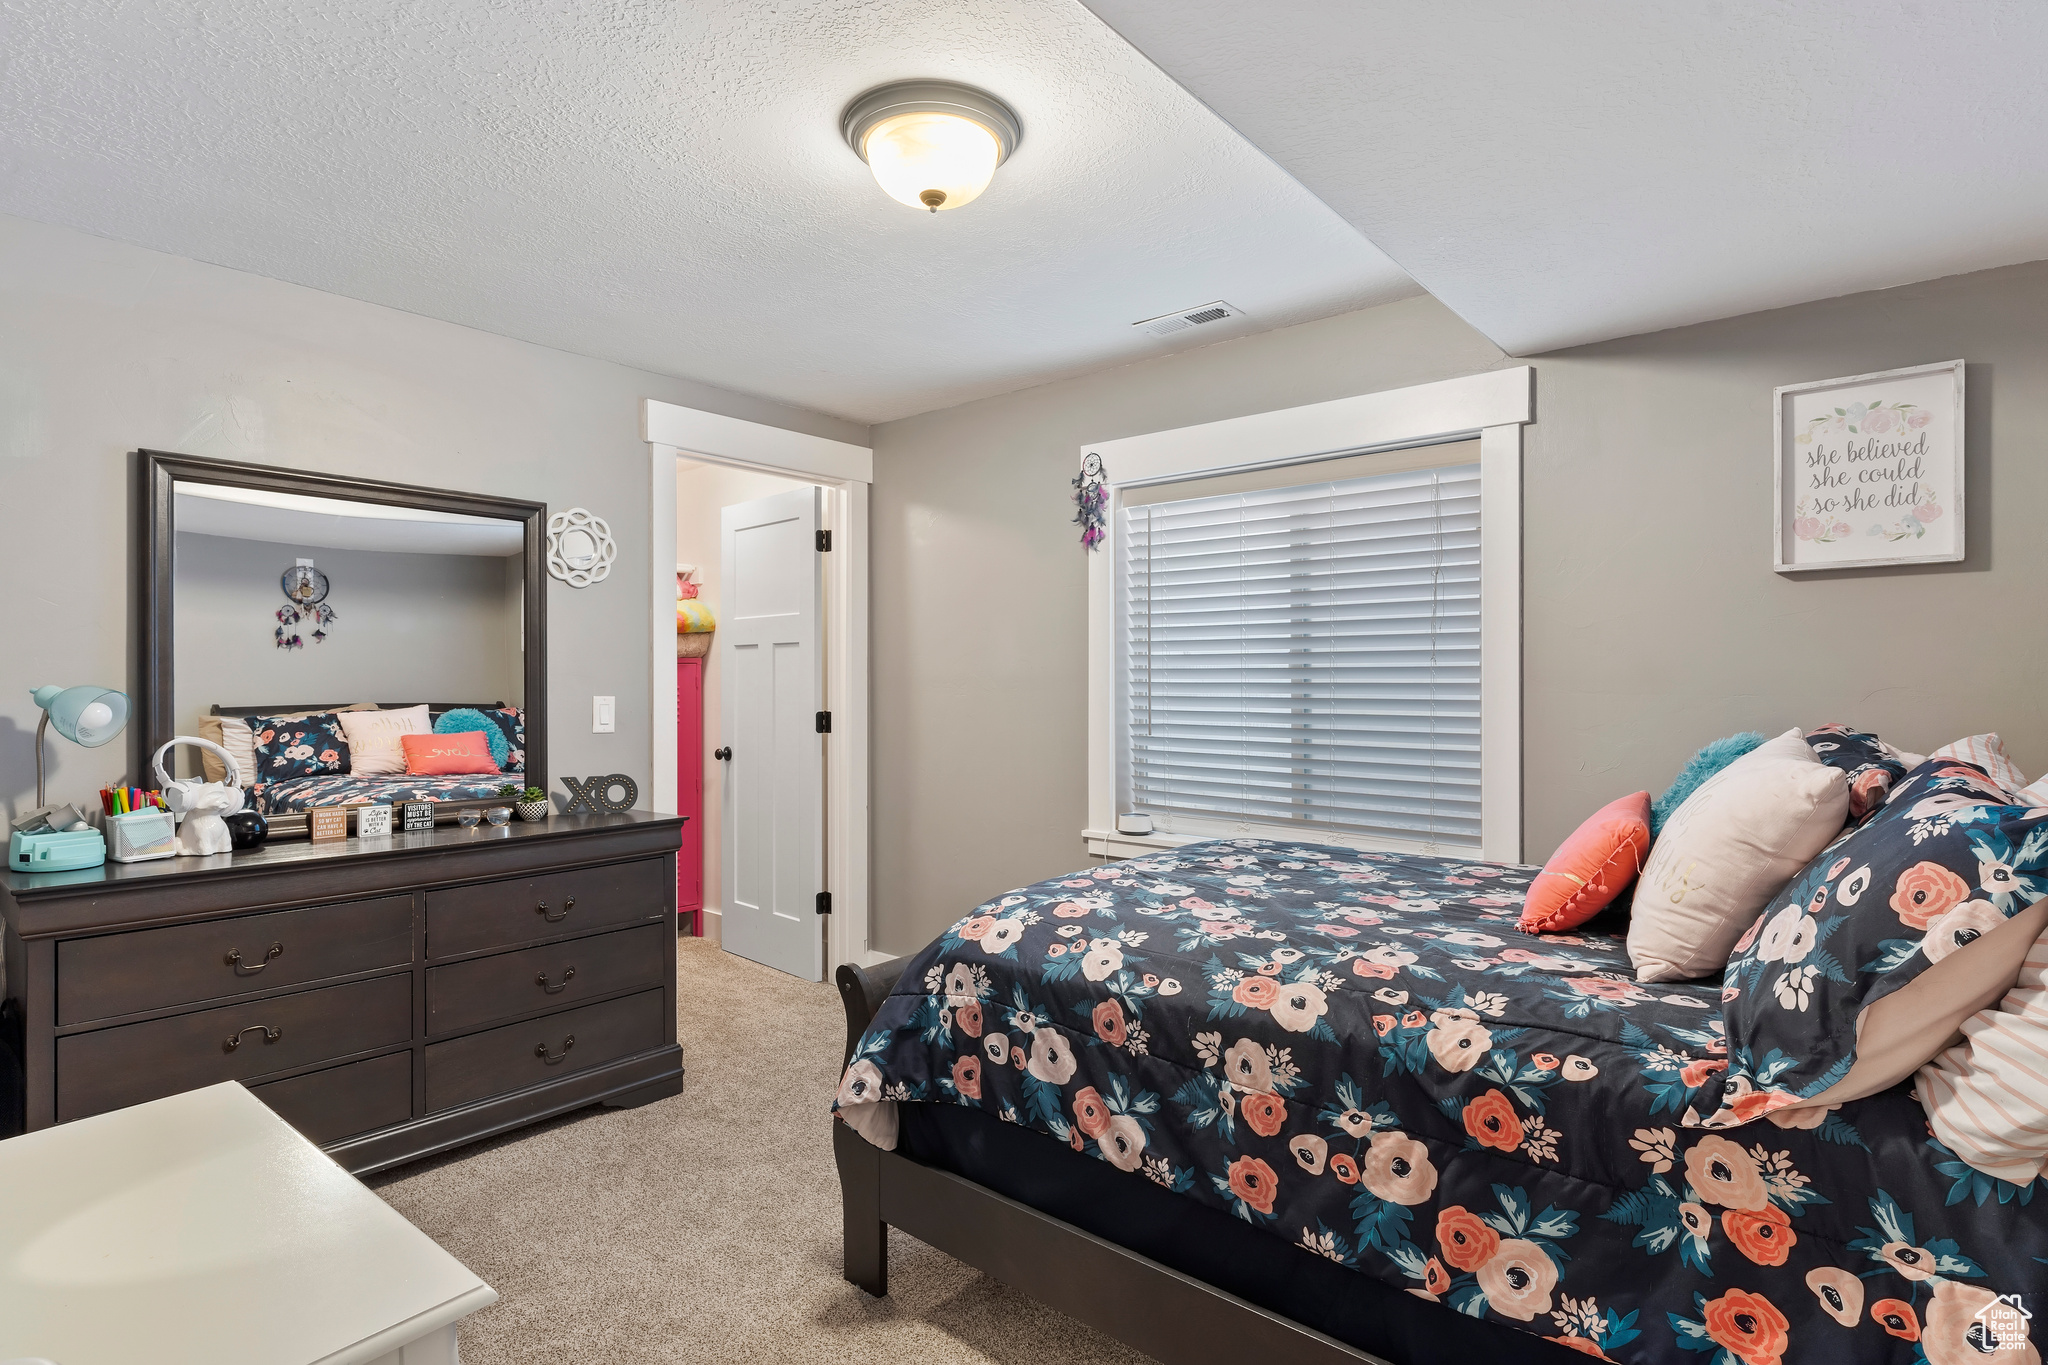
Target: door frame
[673, 432]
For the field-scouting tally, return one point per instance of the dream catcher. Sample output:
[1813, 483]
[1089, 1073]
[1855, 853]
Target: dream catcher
[1091, 497]
[305, 599]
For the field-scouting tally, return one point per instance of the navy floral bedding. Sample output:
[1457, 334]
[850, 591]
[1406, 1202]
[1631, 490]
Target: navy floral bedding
[340, 789]
[1361, 1054]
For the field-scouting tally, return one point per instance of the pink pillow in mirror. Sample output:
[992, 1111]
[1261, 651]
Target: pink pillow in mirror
[445, 755]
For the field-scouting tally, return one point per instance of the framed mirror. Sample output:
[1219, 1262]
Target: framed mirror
[313, 624]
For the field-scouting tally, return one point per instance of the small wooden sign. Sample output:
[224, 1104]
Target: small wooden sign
[373, 821]
[329, 823]
[419, 815]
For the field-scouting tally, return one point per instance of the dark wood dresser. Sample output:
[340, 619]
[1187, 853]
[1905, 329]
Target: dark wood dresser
[389, 997]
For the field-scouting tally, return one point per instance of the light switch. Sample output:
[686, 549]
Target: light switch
[604, 715]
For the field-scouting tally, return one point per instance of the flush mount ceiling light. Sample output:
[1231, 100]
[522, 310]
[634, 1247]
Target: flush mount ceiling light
[931, 144]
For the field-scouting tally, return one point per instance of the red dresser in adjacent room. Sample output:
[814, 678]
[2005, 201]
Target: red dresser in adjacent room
[690, 791]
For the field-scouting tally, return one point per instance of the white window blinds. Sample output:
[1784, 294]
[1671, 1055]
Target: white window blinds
[1309, 656]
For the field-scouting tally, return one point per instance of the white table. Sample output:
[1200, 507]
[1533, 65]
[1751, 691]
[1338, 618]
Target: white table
[203, 1230]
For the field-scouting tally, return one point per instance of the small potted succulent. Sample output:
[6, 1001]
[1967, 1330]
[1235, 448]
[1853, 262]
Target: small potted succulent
[533, 803]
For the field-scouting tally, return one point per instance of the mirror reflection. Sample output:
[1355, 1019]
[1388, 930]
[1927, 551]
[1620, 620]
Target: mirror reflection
[345, 652]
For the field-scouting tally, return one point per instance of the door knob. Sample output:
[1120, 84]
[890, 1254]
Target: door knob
[723, 755]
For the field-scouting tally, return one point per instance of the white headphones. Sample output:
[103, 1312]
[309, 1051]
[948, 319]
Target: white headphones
[181, 794]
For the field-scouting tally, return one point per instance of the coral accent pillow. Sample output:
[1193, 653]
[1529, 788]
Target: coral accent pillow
[464, 718]
[446, 755]
[1727, 851]
[373, 738]
[1591, 868]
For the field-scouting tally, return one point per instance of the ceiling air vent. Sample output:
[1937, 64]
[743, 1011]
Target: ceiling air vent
[1186, 318]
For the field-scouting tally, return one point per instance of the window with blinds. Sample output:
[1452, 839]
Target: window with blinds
[1308, 656]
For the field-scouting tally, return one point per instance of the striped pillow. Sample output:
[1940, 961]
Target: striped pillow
[1987, 1097]
[1987, 752]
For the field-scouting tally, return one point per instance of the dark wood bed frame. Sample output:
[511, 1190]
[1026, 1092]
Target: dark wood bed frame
[1151, 1307]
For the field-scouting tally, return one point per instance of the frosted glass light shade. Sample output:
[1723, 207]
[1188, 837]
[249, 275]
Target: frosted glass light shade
[931, 144]
[932, 161]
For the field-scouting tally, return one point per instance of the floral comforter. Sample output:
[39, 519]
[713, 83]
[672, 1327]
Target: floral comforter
[1362, 1055]
[341, 789]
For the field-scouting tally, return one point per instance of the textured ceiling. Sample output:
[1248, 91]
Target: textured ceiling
[338, 524]
[664, 184]
[1563, 173]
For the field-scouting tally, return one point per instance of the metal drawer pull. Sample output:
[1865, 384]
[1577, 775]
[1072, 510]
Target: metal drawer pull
[234, 959]
[270, 1035]
[540, 1050]
[540, 979]
[567, 906]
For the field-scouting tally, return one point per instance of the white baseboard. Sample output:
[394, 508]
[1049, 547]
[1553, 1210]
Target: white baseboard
[713, 926]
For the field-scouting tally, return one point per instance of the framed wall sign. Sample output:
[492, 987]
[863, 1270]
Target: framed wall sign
[1869, 470]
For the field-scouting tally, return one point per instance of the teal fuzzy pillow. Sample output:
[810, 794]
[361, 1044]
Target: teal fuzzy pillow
[465, 719]
[1702, 766]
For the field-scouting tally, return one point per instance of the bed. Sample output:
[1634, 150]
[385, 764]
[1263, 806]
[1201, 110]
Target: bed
[1251, 1099]
[295, 796]
[344, 789]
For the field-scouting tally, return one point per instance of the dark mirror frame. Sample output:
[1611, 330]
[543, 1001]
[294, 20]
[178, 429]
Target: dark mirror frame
[156, 472]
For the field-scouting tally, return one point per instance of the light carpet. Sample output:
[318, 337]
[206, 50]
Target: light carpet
[706, 1227]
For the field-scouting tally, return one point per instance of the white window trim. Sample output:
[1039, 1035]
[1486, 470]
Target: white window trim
[1493, 407]
[846, 471]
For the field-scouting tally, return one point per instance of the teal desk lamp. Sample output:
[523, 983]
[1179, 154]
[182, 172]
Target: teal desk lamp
[89, 716]
[40, 840]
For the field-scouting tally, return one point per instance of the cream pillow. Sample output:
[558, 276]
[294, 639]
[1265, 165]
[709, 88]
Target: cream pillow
[1726, 851]
[373, 747]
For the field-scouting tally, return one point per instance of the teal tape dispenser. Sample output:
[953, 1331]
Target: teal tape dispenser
[56, 850]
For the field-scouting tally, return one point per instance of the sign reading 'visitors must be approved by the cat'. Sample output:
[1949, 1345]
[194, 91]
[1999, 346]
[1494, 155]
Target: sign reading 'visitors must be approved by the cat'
[1870, 470]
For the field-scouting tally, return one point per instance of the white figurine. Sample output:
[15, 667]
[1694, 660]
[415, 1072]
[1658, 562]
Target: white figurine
[200, 805]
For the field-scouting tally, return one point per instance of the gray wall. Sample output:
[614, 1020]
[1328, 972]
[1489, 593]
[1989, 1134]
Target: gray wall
[106, 347]
[408, 627]
[1652, 620]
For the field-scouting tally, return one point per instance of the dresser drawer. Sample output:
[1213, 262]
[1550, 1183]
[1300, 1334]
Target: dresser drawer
[518, 1055]
[468, 919]
[113, 1067]
[343, 1101]
[465, 994]
[98, 978]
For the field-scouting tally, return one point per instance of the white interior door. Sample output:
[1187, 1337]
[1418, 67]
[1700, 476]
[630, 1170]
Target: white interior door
[771, 660]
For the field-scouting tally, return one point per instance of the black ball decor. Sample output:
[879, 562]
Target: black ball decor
[246, 829]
